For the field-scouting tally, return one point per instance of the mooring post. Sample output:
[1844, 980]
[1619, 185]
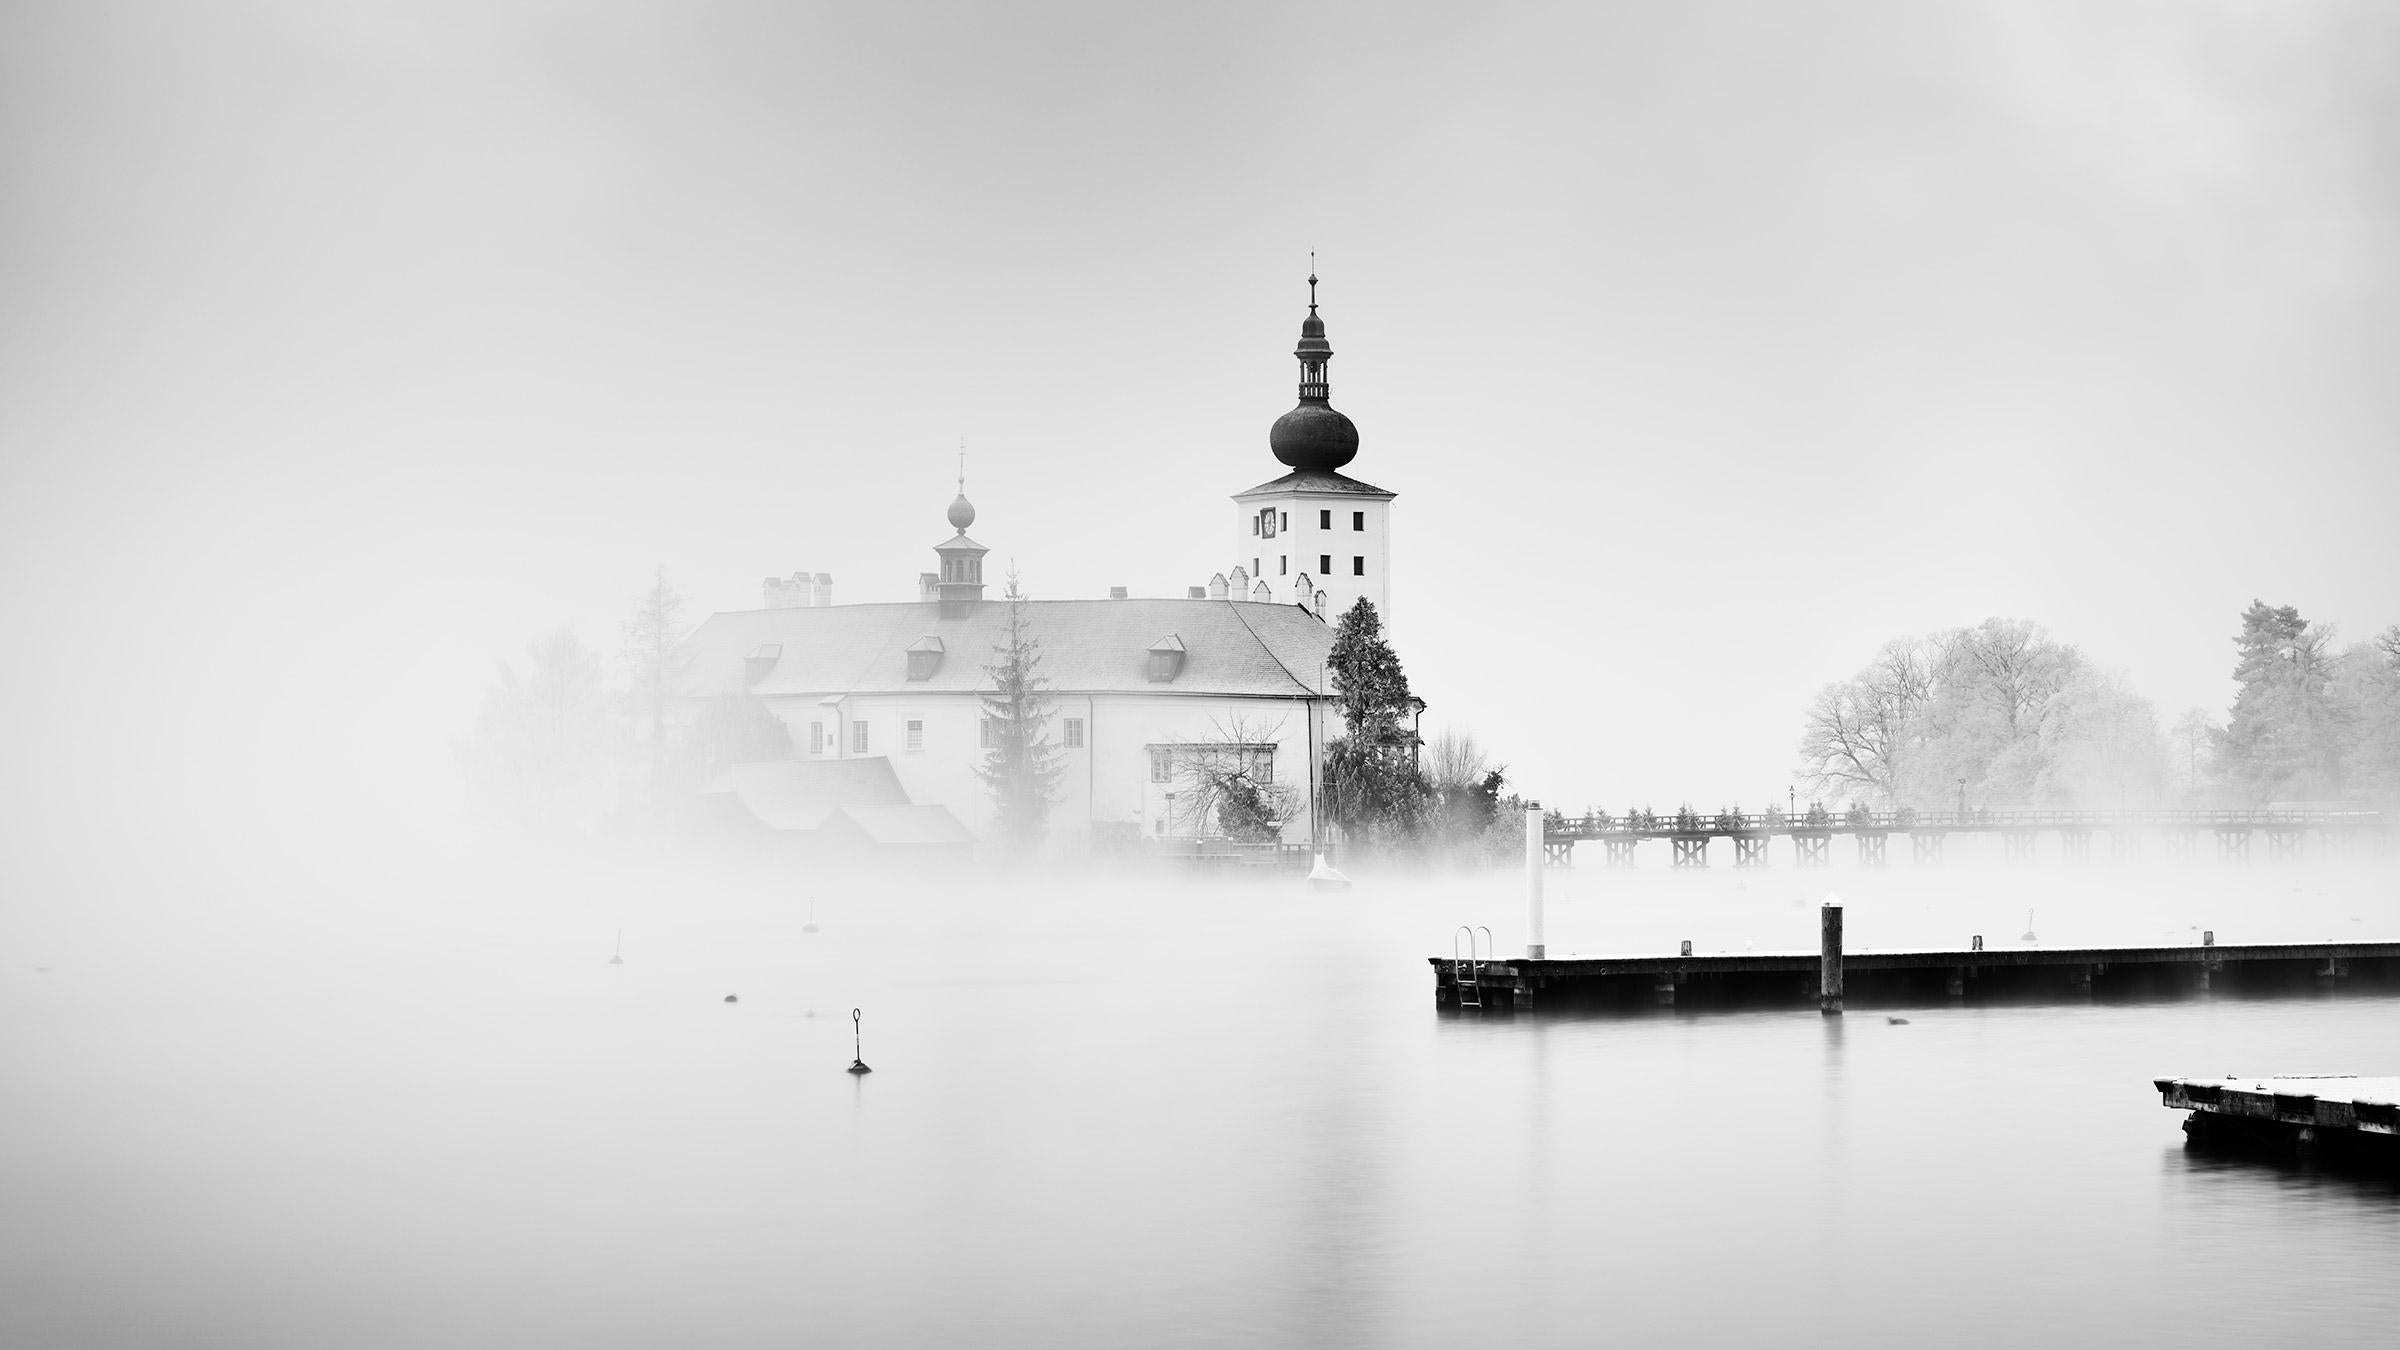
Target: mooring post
[1829, 951]
[1534, 947]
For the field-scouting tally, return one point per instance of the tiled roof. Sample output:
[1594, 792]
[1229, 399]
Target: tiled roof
[1319, 480]
[1088, 646]
[799, 794]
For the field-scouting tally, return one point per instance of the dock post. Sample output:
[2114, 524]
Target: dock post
[1534, 946]
[1829, 949]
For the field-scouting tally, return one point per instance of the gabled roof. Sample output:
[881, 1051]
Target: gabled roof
[799, 794]
[893, 825]
[1088, 646]
[1316, 480]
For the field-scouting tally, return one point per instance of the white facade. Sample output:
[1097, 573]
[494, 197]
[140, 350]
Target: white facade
[1338, 543]
[1113, 778]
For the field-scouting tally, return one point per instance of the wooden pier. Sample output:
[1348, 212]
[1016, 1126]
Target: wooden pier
[1974, 974]
[2333, 1113]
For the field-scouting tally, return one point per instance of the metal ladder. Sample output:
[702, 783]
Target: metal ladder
[1466, 972]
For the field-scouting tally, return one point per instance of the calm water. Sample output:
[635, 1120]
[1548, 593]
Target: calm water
[327, 1111]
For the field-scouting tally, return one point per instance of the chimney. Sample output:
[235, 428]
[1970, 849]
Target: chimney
[824, 590]
[1263, 595]
[795, 593]
[1196, 593]
[1241, 584]
[1116, 592]
[1216, 587]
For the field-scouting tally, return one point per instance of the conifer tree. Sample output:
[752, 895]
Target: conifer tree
[653, 663]
[1020, 765]
[2285, 736]
[1372, 780]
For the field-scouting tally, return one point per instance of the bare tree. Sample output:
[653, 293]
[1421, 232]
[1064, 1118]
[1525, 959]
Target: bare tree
[1228, 783]
[1857, 732]
[541, 754]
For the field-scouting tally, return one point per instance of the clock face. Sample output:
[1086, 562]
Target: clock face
[1266, 524]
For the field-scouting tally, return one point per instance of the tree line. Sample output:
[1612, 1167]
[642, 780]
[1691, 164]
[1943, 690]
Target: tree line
[572, 742]
[2001, 715]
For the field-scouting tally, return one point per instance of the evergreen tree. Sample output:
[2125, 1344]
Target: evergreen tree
[652, 658]
[1020, 765]
[2285, 736]
[1372, 783]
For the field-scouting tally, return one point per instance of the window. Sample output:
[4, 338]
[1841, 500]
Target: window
[916, 735]
[1284, 518]
[1162, 764]
[1255, 569]
[1255, 526]
[1166, 658]
[816, 738]
[1262, 764]
[1283, 565]
[1325, 520]
[1324, 564]
[988, 737]
[1358, 567]
[1074, 733]
[924, 658]
[858, 738]
[1358, 520]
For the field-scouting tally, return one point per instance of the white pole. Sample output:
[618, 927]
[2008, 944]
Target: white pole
[1534, 947]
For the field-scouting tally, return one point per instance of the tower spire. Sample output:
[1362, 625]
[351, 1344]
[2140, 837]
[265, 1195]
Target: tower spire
[1314, 351]
[1313, 436]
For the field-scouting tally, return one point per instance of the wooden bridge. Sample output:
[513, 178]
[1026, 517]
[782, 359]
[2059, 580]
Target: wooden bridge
[2287, 832]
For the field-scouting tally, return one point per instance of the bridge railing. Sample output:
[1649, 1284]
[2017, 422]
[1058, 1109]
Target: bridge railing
[1654, 825]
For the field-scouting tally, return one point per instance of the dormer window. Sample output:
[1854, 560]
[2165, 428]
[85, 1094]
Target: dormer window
[1166, 659]
[760, 660]
[924, 658]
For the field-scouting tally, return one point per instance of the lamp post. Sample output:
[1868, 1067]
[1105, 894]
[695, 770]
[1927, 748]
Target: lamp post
[1962, 800]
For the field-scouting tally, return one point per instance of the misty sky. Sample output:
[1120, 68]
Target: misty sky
[346, 347]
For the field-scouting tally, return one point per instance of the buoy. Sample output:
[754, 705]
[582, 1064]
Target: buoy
[2029, 937]
[857, 1063]
[733, 998]
[619, 958]
[811, 925]
[1897, 1021]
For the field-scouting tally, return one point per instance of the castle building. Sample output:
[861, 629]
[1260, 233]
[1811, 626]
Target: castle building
[1315, 536]
[1148, 698]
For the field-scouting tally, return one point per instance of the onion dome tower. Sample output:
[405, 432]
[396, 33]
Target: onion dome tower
[1313, 435]
[961, 583]
[1316, 532]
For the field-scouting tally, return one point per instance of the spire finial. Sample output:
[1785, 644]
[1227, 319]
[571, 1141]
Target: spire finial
[1312, 281]
[962, 511]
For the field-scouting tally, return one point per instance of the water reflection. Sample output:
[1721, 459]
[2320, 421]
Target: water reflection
[1112, 1117]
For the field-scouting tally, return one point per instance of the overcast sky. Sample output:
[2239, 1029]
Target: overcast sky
[346, 347]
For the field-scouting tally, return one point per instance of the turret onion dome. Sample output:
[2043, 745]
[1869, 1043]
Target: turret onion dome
[962, 513]
[1313, 435]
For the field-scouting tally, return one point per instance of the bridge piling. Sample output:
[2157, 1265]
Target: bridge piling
[1829, 957]
[1534, 838]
